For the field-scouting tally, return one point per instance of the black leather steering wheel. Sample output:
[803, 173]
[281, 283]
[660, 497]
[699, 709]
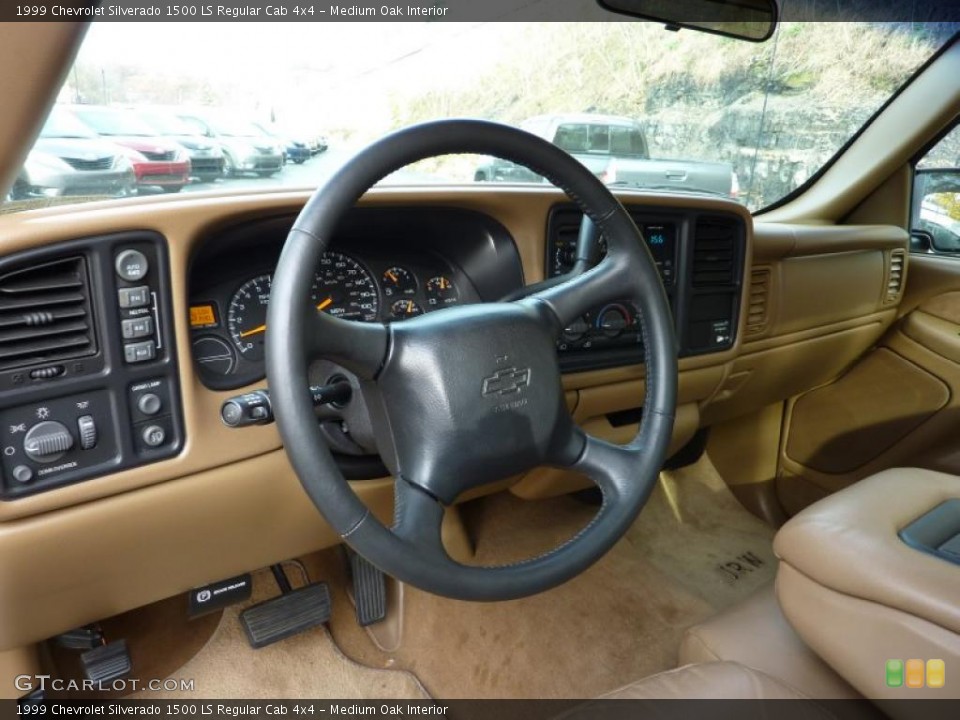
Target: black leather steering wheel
[470, 394]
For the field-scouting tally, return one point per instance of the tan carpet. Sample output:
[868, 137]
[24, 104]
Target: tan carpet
[619, 621]
[308, 665]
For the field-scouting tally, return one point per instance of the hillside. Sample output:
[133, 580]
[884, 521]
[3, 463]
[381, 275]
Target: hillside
[699, 96]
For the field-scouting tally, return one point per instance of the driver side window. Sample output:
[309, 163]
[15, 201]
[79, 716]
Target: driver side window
[935, 212]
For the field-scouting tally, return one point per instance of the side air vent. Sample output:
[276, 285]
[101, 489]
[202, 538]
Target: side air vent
[758, 303]
[714, 253]
[45, 314]
[895, 273]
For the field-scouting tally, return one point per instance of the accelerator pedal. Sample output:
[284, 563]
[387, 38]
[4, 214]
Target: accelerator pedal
[107, 663]
[369, 590]
[290, 613]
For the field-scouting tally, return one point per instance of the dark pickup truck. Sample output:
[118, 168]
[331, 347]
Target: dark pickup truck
[615, 150]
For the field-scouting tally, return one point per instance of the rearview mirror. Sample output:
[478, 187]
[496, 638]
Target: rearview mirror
[753, 20]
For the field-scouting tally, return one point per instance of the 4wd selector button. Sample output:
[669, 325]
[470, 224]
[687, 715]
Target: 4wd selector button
[47, 441]
[131, 265]
[153, 436]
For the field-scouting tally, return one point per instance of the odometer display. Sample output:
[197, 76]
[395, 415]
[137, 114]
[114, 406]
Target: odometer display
[345, 289]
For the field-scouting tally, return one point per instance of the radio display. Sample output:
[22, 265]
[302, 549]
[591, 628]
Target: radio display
[662, 240]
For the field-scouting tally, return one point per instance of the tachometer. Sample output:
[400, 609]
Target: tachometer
[345, 289]
[247, 317]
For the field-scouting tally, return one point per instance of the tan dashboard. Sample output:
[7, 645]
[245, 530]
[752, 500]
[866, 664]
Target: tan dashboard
[813, 299]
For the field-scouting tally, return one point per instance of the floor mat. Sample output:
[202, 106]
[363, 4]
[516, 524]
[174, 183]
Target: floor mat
[308, 665]
[693, 552]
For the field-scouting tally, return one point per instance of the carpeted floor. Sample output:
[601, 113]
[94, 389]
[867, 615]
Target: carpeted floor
[693, 552]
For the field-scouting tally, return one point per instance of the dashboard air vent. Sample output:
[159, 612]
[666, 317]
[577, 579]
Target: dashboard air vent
[45, 313]
[714, 253]
[758, 303]
[895, 271]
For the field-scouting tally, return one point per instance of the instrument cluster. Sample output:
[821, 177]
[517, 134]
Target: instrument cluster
[228, 321]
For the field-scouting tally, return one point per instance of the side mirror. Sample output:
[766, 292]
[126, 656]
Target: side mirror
[753, 20]
[936, 208]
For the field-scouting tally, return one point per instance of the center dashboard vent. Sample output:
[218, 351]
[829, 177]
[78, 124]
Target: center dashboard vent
[714, 253]
[45, 313]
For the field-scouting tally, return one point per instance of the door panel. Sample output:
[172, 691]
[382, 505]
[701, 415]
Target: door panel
[897, 406]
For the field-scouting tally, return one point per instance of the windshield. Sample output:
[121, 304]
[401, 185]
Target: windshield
[62, 124]
[107, 121]
[639, 106]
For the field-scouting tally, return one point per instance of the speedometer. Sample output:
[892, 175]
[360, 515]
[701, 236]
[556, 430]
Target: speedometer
[345, 289]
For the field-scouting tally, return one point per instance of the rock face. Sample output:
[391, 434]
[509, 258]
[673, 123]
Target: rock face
[797, 138]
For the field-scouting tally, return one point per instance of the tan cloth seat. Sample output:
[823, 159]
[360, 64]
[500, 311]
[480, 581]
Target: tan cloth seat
[756, 634]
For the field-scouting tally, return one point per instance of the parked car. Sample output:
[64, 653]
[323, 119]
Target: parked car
[246, 147]
[295, 149]
[157, 161]
[69, 159]
[615, 149]
[206, 155]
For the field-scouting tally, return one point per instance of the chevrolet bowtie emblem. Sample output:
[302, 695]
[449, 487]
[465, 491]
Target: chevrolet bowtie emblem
[506, 381]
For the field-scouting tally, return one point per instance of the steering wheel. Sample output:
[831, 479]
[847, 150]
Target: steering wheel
[470, 394]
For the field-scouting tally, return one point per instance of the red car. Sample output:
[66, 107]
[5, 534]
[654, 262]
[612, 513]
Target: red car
[157, 161]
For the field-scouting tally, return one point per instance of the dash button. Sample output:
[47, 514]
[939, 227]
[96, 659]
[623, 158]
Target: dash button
[131, 265]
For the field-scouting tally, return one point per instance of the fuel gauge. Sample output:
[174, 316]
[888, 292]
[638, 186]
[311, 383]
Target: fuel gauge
[398, 282]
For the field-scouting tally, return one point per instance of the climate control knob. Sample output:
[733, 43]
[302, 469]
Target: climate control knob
[47, 441]
[613, 320]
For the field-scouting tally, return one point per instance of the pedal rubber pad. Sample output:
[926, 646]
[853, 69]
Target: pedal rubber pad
[107, 663]
[286, 615]
[369, 590]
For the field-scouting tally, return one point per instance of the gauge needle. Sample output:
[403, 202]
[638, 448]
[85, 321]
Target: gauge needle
[390, 274]
[256, 330]
[325, 304]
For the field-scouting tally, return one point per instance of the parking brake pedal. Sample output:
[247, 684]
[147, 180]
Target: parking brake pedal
[286, 615]
[369, 590]
[107, 663]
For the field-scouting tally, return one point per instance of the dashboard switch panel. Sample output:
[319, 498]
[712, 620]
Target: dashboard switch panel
[88, 416]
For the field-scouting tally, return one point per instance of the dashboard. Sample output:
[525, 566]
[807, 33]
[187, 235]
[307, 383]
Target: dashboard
[389, 265]
[89, 358]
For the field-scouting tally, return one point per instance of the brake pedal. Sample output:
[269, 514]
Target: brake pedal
[369, 590]
[286, 615]
[107, 663]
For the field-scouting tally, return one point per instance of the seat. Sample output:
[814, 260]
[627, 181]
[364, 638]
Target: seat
[707, 681]
[755, 633]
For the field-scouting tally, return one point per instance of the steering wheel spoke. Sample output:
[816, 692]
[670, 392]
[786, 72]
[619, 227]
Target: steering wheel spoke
[417, 518]
[359, 347]
[572, 299]
[604, 463]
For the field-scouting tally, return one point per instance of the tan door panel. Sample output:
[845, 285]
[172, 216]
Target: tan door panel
[898, 406]
[840, 427]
